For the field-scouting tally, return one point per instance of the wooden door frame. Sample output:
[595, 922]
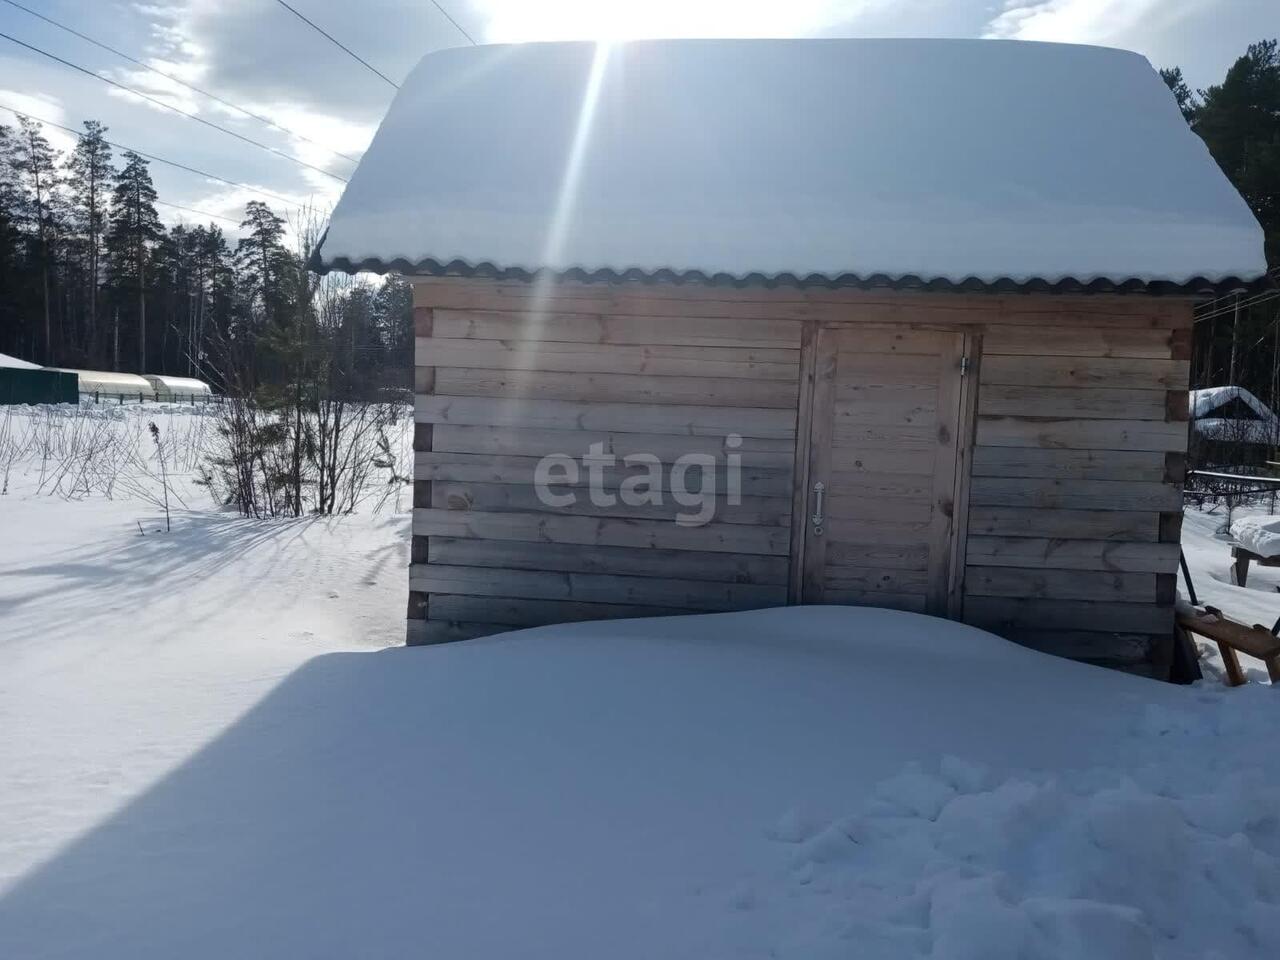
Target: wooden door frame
[817, 381]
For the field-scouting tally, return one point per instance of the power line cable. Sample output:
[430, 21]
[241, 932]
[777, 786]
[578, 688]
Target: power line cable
[182, 83]
[457, 26]
[338, 43]
[1263, 297]
[166, 106]
[203, 213]
[158, 159]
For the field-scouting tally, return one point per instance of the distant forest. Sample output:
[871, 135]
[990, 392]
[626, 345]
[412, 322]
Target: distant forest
[1237, 339]
[90, 277]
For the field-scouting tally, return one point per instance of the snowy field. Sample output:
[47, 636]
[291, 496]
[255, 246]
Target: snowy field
[207, 751]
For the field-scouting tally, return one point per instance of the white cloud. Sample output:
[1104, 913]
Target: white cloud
[43, 107]
[518, 20]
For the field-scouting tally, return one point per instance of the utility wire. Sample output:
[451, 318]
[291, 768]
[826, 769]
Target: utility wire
[1263, 297]
[170, 77]
[161, 103]
[157, 159]
[203, 213]
[339, 44]
[1273, 273]
[457, 26]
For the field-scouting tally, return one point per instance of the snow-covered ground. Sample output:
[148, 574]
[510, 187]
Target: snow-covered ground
[206, 751]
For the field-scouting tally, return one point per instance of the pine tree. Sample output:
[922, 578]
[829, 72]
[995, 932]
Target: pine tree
[89, 178]
[266, 266]
[12, 275]
[36, 164]
[134, 226]
[1239, 120]
[1182, 94]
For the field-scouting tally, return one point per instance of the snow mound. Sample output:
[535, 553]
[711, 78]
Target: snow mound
[1104, 863]
[813, 782]
[1258, 534]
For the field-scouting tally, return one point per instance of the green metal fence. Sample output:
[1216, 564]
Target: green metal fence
[19, 385]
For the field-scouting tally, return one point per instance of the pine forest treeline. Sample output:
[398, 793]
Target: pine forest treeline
[91, 278]
[1237, 339]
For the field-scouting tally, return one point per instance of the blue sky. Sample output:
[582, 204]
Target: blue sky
[255, 53]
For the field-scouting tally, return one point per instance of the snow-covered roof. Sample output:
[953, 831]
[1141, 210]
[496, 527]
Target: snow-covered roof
[16, 364]
[109, 381]
[838, 160]
[1207, 399]
[167, 386]
[1208, 405]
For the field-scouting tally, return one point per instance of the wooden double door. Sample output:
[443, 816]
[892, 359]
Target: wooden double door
[885, 474]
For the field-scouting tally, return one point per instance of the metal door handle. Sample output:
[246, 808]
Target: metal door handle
[819, 494]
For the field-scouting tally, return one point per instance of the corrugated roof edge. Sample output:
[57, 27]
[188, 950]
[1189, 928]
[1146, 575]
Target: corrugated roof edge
[1194, 287]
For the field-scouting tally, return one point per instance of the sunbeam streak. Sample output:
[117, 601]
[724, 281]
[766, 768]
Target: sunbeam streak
[565, 207]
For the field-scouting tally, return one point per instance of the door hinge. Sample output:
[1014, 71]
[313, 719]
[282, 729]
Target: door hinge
[964, 366]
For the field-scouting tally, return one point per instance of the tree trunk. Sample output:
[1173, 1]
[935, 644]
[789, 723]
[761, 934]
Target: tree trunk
[142, 311]
[48, 327]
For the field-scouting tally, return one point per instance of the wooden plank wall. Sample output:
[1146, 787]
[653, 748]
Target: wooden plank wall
[1075, 492]
[1076, 488]
[500, 389]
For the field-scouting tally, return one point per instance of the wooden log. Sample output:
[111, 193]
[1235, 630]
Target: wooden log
[1146, 466]
[698, 421]
[876, 555]
[882, 486]
[428, 632]
[1099, 403]
[515, 613]
[869, 580]
[1075, 494]
[1082, 434]
[652, 299]
[883, 456]
[593, 588]
[443, 465]
[1044, 552]
[577, 444]
[1086, 372]
[844, 504]
[894, 341]
[862, 374]
[591, 531]
[624, 561]
[1112, 649]
[497, 497]
[1008, 614]
[910, 408]
[1064, 524]
[579, 328]
[1063, 341]
[676, 361]
[1049, 584]
[617, 388]
[910, 602]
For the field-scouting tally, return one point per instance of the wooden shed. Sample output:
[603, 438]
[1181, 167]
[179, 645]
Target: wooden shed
[917, 312]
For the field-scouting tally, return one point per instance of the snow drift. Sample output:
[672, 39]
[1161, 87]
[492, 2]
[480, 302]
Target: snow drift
[808, 783]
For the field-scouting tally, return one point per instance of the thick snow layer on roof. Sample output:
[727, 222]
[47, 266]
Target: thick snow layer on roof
[931, 158]
[15, 363]
[1208, 405]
